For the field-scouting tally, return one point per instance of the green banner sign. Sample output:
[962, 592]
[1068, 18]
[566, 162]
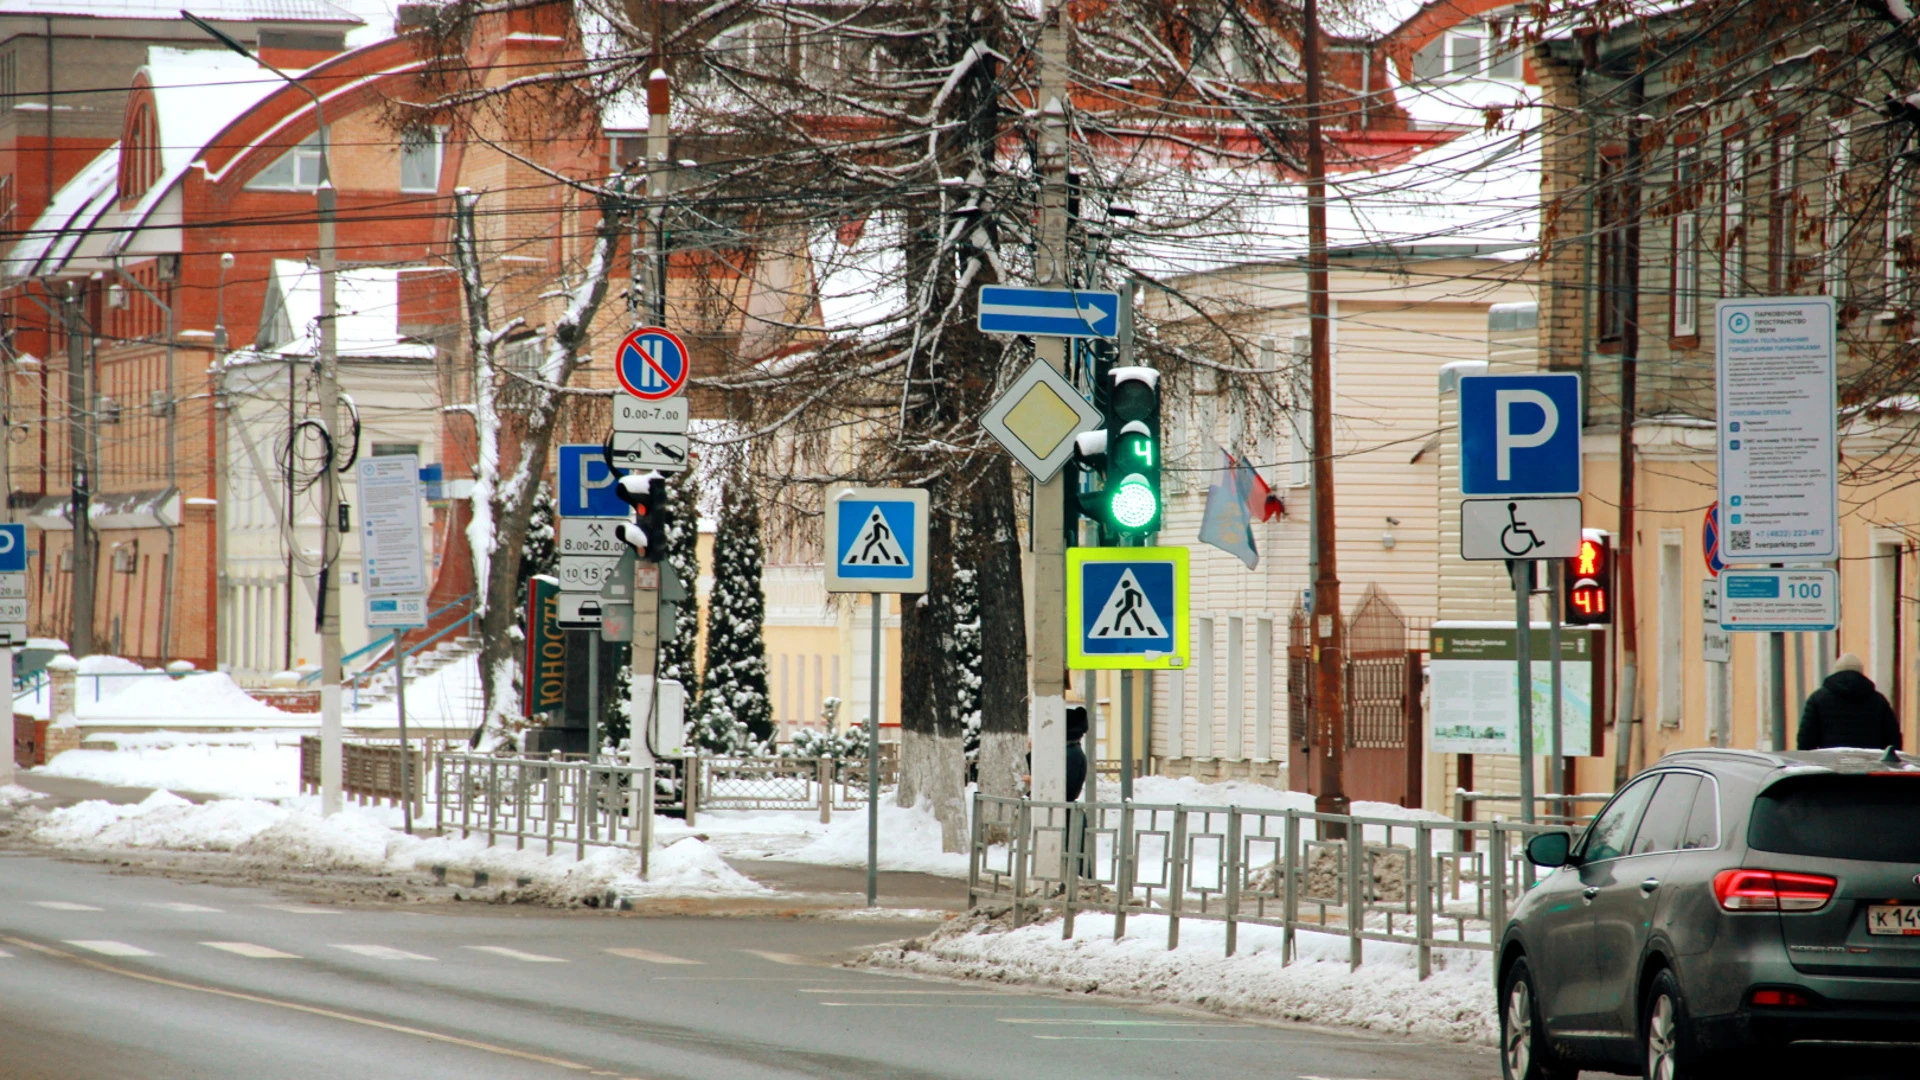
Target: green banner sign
[546, 668]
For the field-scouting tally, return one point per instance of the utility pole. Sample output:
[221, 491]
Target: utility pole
[1629, 298]
[659, 100]
[1047, 715]
[79, 447]
[1329, 637]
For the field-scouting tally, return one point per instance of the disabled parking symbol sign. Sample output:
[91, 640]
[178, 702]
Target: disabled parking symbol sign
[1127, 608]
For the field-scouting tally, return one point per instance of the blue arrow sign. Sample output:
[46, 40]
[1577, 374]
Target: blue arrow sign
[586, 485]
[1049, 312]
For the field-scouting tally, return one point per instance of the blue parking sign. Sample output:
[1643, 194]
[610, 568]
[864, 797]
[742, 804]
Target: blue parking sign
[586, 484]
[1520, 434]
[13, 549]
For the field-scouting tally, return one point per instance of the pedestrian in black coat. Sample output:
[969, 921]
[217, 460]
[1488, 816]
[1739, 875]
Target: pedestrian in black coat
[1848, 711]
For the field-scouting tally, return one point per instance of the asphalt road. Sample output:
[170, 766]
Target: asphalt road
[107, 975]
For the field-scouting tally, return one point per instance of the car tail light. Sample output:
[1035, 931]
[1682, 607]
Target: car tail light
[1795, 999]
[1772, 890]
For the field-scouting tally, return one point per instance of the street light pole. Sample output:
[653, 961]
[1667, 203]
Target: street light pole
[329, 614]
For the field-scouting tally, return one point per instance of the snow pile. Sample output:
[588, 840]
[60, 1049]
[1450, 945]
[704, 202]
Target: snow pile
[311, 842]
[244, 766]
[14, 793]
[1385, 994]
[689, 868]
[163, 820]
[110, 688]
[909, 840]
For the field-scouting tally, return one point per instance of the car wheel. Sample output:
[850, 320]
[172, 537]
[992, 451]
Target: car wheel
[1524, 1053]
[1666, 1040]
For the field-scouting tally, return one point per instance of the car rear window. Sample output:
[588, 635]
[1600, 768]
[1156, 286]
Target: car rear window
[1840, 817]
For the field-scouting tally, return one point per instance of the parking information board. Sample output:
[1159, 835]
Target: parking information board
[13, 584]
[390, 539]
[589, 552]
[1474, 701]
[1127, 608]
[1779, 600]
[1776, 406]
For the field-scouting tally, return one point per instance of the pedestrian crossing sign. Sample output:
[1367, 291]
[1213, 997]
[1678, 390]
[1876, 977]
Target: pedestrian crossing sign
[876, 540]
[1127, 608]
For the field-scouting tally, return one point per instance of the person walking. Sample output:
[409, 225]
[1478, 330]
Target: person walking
[1848, 711]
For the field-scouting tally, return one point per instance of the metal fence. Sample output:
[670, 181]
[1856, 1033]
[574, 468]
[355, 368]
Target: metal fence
[776, 783]
[371, 769]
[560, 803]
[1426, 884]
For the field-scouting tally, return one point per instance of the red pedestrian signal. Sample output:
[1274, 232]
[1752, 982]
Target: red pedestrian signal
[1588, 581]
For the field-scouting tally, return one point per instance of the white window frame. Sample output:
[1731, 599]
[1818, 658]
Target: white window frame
[295, 158]
[1899, 213]
[434, 138]
[1839, 161]
[1673, 618]
[1203, 670]
[1733, 229]
[1686, 249]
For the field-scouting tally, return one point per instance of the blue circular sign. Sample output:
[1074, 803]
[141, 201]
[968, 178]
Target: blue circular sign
[1739, 322]
[652, 363]
[1710, 541]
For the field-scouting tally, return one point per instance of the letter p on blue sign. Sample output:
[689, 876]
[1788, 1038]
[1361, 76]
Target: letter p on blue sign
[1520, 434]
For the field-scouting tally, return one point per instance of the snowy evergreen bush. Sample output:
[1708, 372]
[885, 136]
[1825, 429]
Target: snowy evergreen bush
[735, 711]
[965, 660]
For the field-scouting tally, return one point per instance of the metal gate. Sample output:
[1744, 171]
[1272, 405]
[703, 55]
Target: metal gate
[1382, 698]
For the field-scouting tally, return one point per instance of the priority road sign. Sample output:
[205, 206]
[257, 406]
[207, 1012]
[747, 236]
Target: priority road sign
[876, 540]
[1006, 309]
[586, 484]
[656, 451]
[13, 549]
[1037, 419]
[1127, 608]
[652, 363]
[1520, 434]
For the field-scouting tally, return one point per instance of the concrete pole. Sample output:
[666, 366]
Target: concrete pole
[1047, 715]
[331, 673]
[79, 443]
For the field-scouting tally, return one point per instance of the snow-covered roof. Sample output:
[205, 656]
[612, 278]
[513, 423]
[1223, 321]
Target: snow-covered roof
[212, 10]
[1371, 18]
[366, 326]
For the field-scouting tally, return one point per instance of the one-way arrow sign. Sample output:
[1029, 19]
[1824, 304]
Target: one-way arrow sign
[1049, 312]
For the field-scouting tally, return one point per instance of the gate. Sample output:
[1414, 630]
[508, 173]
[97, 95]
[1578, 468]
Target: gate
[1382, 698]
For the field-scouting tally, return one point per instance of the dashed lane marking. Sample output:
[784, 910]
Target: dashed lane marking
[1110, 1023]
[111, 948]
[5, 955]
[382, 952]
[301, 909]
[311, 1010]
[515, 954]
[185, 908]
[901, 993]
[64, 905]
[790, 959]
[944, 1005]
[652, 957]
[249, 950]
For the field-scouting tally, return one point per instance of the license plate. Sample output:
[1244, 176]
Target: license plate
[1899, 919]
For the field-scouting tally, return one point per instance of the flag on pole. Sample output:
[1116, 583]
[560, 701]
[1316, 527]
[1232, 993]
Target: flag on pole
[1262, 503]
[1227, 521]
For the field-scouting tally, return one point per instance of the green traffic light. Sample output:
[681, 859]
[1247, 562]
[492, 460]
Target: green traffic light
[1135, 506]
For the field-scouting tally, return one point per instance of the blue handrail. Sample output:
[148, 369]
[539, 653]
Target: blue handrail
[387, 639]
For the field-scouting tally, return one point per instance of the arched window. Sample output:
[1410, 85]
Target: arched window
[139, 153]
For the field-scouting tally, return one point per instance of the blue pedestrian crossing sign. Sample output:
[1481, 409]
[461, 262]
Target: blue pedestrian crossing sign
[876, 540]
[1127, 608]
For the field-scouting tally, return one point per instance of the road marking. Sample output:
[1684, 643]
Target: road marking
[301, 909]
[515, 954]
[249, 950]
[311, 1010]
[790, 959]
[175, 905]
[64, 905]
[891, 993]
[943, 1005]
[111, 948]
[1130, 1038]
[652, 957]
[5, 955]
[1111, 1023]
[382, 952]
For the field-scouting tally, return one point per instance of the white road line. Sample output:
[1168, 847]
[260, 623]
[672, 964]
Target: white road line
[515, 954]
[787, 958]
[901, 993]
[382, 952]
[111, 948]
[944, 1005]
[64, 905]
[652, 957]
[1110, 1023]
[5, 955]
[249, 950]
[301, 909]
[1124, 1038]
[175, 905]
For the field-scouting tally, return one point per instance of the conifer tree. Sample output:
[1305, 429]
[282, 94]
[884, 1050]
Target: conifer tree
[735, 711]
[679, 641]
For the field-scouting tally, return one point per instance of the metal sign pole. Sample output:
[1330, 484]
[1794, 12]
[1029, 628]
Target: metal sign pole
[400, 699]
[1523, 655]
[1126, 736]
[873, 765]
[1556, 759]
[593, 695]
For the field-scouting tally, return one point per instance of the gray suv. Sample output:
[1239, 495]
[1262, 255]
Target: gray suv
[1723, 904]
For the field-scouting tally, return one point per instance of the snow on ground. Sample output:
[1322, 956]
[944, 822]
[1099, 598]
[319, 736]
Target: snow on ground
[112, 689]
[14, 793]
[909, 837]
[1384, 994]
[241, 765]
[292, 835]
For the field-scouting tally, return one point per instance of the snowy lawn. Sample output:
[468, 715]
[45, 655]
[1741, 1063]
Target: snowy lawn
[125, 691]
[244, 765]
[1384, 994]
[292, 835]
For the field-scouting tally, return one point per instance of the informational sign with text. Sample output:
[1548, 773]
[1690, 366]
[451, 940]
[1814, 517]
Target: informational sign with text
[392, 553]
[1475, 709]
[1776, 409]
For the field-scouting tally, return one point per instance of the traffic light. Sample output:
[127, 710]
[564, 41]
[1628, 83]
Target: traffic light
[1588, 582]
[646, 534]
